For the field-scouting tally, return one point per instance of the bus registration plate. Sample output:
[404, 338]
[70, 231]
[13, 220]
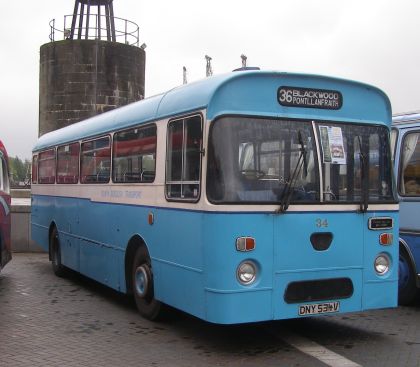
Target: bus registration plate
[317, 308]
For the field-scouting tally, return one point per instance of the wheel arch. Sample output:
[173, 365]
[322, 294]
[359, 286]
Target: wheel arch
[134, 243]
[404, 246]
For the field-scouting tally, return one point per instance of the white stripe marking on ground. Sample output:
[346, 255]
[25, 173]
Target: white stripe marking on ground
[317, 351]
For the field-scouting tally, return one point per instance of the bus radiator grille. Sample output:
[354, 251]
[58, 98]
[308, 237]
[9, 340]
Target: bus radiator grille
[318, 290]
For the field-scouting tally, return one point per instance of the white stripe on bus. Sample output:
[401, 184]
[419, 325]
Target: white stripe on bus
[152, 195]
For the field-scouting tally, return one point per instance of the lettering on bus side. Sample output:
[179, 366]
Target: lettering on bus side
[310, 98]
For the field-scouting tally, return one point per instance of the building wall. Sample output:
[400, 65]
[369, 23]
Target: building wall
[82, 78]
[21, 230]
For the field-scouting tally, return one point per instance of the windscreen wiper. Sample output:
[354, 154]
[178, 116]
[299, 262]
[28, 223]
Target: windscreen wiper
[364, 201]
[289, 185]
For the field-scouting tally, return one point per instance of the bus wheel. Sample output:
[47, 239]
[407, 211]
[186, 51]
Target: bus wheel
[142, 278]
[407, 289]
[57, 266]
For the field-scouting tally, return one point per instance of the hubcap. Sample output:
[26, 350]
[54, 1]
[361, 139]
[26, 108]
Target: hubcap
[142, 280]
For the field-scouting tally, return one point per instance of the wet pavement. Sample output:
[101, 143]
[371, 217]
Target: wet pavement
[50, 321]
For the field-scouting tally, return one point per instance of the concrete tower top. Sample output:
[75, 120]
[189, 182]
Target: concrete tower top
[94, 19]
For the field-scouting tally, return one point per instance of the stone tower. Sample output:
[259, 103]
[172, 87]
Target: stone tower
[91, 65]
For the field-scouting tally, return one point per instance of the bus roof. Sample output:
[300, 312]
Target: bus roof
[244, 92]
[406, 118]
[3, 150]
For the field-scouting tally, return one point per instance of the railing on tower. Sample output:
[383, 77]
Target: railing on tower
[125, 31]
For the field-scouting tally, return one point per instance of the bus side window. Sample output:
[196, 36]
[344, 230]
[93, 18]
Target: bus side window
[393, 140]
[410, 165]
[184, 158]
[35, 169]
[46, 167]
[4, 179]
[134, 155]
[95, 161]
[68, 164]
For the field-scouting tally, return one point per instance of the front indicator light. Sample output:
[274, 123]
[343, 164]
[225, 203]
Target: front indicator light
[386, 239]
[245, 244]
[246, 272]
[382, 264]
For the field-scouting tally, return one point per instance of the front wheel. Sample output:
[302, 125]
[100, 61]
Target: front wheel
[143, 288]
[58, 268]
[407, 290]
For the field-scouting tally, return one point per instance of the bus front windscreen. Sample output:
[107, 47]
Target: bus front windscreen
[274, 161]
[356, 163]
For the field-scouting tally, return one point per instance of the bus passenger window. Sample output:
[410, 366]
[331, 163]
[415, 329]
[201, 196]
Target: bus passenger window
[410, 165]
[95, 161]
[4, 178]
[68, 164]
[46, 167]
[184, 158]
[134, 155]
[35, 169]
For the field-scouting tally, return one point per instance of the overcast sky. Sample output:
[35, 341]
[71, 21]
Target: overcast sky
[374, 41]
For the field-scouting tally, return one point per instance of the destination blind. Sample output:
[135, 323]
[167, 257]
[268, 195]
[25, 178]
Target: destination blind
[310, 98]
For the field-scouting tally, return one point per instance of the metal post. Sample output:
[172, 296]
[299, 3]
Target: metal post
[99, 22]
[244, 58]
[108, 33]
[52, 34]
[87, 20]
[184, 75]
[82, 9]
[111, 13]
[73, 22]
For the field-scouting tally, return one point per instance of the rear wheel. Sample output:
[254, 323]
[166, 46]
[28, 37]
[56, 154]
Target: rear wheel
[407, 290]
[143, 289]
[58, 268]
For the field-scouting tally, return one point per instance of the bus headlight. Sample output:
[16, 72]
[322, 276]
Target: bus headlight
[246, 272]
[382, 264]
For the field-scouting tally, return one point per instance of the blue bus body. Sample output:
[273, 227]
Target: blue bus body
[406, 149]
[192, 238]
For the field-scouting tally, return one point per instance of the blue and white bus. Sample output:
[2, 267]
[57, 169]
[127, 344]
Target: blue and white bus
[405, 145]
[243, 197]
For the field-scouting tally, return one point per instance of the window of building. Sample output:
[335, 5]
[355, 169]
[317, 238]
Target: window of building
[410, 165]
[68, 164]
[184, 158]
[46, 167]
[134, 155]
[95, 161]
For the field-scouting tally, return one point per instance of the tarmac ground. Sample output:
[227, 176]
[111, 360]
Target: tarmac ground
[50, 321]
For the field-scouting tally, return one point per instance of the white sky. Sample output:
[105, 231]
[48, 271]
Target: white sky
[374, 41]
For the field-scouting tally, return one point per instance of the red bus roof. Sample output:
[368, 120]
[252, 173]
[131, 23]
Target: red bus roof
[3, 150]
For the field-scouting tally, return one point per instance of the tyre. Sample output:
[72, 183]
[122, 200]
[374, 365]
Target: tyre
[58, 268]
[143, 288]
[407, 289]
